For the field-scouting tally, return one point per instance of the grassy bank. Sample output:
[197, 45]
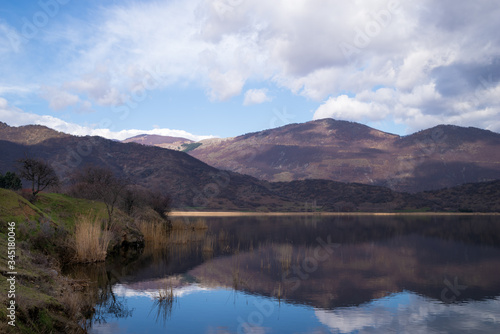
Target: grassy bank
[56, 229]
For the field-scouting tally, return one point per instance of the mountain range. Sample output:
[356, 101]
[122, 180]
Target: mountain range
[194, 184]
[443, 156]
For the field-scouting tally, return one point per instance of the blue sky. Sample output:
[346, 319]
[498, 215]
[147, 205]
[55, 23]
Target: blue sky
[222, 68]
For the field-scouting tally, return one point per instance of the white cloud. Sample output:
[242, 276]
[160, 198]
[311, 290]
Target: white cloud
[3, 103]
[10, 41]
[413, 314]
[419, 50]
[223, 86]
[59, 99]
[256, 96]
[16, 117]
[343, 107]
[18, 90]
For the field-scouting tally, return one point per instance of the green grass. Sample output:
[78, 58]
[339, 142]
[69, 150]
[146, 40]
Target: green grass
[65, 209]
[36, 292]
[14, 207]
[42, 231]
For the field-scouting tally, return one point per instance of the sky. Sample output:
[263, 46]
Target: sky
[222, 68]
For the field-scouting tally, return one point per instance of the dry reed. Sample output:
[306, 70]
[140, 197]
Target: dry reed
[155, 233]
[91, 241]
[284, 253]
[183, 224]
[178, 224]
[200, 224]
[223, 235]
[208, 244]
[164, 303]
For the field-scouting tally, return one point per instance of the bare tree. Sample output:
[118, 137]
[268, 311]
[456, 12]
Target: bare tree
[39, 173]
[160, 203]
[98, 183]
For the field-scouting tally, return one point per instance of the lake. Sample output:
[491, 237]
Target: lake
[307, 274]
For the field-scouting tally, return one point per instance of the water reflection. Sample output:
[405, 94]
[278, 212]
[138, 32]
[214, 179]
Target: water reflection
[309, 274]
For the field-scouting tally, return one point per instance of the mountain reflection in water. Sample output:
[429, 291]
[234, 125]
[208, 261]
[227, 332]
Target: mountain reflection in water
[307, 274]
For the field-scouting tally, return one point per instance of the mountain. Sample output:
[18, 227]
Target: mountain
[173, 143]
[190, 182]
[29, 134]
[443, 156]
[193, 184]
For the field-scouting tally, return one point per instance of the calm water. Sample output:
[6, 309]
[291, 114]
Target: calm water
[308, 275]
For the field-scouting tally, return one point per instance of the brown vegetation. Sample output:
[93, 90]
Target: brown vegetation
[91, 239]
[155, 233]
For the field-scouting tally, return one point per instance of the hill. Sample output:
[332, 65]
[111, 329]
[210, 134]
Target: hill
[189, 182]
[194, 185]
[471, 197]
[443, 156]
[29, 134]
[173, 143]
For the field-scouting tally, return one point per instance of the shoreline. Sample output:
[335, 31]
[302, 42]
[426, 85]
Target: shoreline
[257, 214]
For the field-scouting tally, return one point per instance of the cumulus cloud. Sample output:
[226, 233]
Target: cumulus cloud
[256, 96]
[343, 107]
[414, 314]
[440, 59]
[16, 117]
[223, 86]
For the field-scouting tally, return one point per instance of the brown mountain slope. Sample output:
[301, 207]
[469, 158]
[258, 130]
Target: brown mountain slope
[443, 156]
[192, 183]
[29, 134]
[173, 143]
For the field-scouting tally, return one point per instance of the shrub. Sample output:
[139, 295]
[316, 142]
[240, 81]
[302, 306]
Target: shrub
[10, 181]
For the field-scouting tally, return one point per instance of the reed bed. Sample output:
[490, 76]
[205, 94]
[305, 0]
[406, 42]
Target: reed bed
[199, 224]
[178, 224]
[91, 239]
[155, 233]
[187, 224]
[208, 244]
[222, 235]
[284, 254]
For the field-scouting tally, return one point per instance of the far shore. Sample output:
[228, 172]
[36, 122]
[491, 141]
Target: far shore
[241, 214]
